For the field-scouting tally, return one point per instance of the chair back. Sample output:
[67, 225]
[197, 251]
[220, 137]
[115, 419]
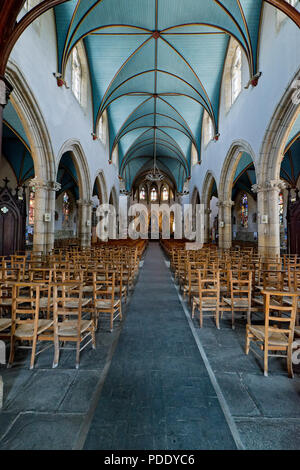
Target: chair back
[280, 313]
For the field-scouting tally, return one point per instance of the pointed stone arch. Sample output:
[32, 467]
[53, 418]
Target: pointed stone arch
[230, 164]
[113, 199]
[269, 185]
[84, 179]
[207, 187]
[225, 203]
[206, 195]
[103, 187]
[84, 203]
[31, 117]
[275, 139]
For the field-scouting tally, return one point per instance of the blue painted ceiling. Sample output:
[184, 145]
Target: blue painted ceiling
[155, 65]
[67, 176]
[18, 155]
[290, 166]
[245, 176]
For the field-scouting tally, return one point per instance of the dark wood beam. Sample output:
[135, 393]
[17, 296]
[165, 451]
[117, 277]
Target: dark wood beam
[9, 10]
[11, 30]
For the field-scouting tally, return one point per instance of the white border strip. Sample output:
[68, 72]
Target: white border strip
[225, 408]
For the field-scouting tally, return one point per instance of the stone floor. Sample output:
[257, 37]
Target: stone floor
[48, 408]
[157, 394]
[265, 409]
[157, 382]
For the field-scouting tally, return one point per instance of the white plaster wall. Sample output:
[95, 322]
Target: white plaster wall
[249, 116]
[35, 54]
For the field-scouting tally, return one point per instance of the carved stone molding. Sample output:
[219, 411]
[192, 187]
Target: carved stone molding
[5, 91]
[225, 203]
[46, 185]
[85, 202]
[272, 185]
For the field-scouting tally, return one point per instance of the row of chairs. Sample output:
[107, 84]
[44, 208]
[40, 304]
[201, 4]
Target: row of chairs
[217, 282]
[63, 303]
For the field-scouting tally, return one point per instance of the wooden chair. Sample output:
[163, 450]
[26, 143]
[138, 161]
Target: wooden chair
[72, 323]
[120, 288]
[208, 299]
[278, 331]
[5, 309]
[240, 295]
[27, 324]
[105, 301]
[191, 287]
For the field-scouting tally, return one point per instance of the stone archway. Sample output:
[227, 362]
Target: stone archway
[225, 203]
[113, 198]
[84, 202]
[38, 136]
[100, 183]
[103, 187]
[269, 184]
[206, 196]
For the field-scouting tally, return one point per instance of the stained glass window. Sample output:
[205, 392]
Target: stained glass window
[142, 194]
[165, 194]
[76, 74]
[102, 130]
[236, 75]
[66, 208]
[31, 207]
[244, 211]
[153, 194]
[208, 128]
[280, 202]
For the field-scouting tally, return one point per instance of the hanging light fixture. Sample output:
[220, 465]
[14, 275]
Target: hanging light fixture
[154, 174]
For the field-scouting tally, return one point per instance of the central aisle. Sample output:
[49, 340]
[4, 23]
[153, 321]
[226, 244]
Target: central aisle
[157, 394]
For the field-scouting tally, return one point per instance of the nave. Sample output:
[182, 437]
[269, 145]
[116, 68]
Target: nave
[157, 381]
[158, 394]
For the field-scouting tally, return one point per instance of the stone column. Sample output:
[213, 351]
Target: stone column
[207, 212]
[84, 222]
[268, 216]
[225, 224]
[44, 214]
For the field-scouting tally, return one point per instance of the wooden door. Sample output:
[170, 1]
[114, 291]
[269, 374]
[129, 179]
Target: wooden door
[12, 222]
[8, 227]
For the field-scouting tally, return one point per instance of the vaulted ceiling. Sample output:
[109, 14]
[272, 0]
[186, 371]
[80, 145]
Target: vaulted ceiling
[155, 66]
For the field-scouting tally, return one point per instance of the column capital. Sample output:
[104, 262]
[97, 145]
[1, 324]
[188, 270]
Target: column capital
[46, 185]
[271, 185]
[5, 91]
[85, 202]
[225, 203]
